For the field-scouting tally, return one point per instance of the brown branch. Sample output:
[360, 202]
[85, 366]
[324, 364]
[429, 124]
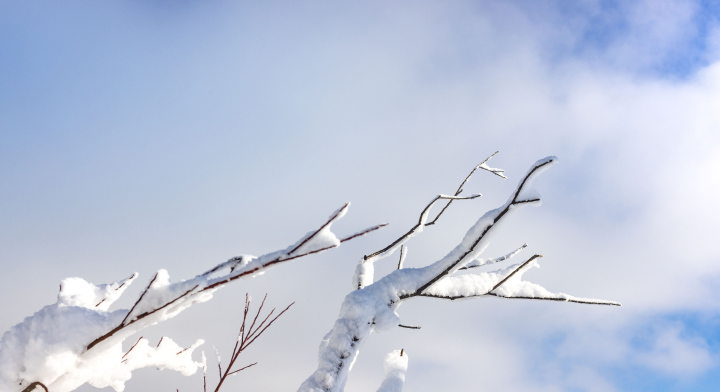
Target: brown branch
[133, 346]
[247, 336]
[514, 272]
[409, 326]
[140, 317]
[610, 303]
[362, 233]
[329, 221]
[402, 253]
[139, 299]
[241, 369]
[35, 385]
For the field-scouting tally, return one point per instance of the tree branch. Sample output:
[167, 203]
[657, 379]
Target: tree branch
[34, 385]
[460, 188]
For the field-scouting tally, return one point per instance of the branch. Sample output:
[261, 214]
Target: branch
[246, 337]
[482, 165]
[469, 253]
[476, 263]
[419, 225]
[339, 213]
[35, 385]
[514, 272]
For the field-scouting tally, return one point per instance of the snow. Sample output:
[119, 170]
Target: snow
[372, 306]
[395, 364]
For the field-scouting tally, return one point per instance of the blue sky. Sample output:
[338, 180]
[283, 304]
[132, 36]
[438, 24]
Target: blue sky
[143, 135]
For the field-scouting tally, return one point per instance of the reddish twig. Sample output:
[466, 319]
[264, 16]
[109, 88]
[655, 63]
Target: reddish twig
[247, 336]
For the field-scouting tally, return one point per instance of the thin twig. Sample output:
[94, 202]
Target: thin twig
[514, 272]
[402, 256]
[247, 336]
[408, 326]
[131, 348]
[243, 368]
[460, 188]
[139, 299]
[420, 222]
[34, 385]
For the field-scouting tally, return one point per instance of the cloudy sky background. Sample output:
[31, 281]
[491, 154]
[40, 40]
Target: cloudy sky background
[174, 134]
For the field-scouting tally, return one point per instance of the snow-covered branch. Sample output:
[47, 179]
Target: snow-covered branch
[371, 307]
[395, 364]
[78, 339]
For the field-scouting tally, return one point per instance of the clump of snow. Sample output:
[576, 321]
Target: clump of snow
[51, 345]
[395, 364]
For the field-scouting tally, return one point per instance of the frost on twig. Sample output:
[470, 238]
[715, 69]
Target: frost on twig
[79, 340]
[372, 307]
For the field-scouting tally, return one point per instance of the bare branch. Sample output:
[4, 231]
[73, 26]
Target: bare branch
[241, 369]
[133, 346]
[402, 256]
[514, 272]
[408, 326]
[246, 337]
[364, 232]
[34, 385]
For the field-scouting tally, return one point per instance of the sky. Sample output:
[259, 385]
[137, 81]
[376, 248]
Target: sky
[141, 135]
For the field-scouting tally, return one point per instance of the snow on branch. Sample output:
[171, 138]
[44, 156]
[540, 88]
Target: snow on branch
[395, 364]
[372, 306]
[78, 340]
[365, 270]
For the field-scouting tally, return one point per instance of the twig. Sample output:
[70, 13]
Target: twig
[402, 256]
[462, 257]
[131, 348]
[247, 336]
[421, 222]
[460, 188]
[514, 272]
[34, 385]
[408, 326]
[139, 299]
[329, 221]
